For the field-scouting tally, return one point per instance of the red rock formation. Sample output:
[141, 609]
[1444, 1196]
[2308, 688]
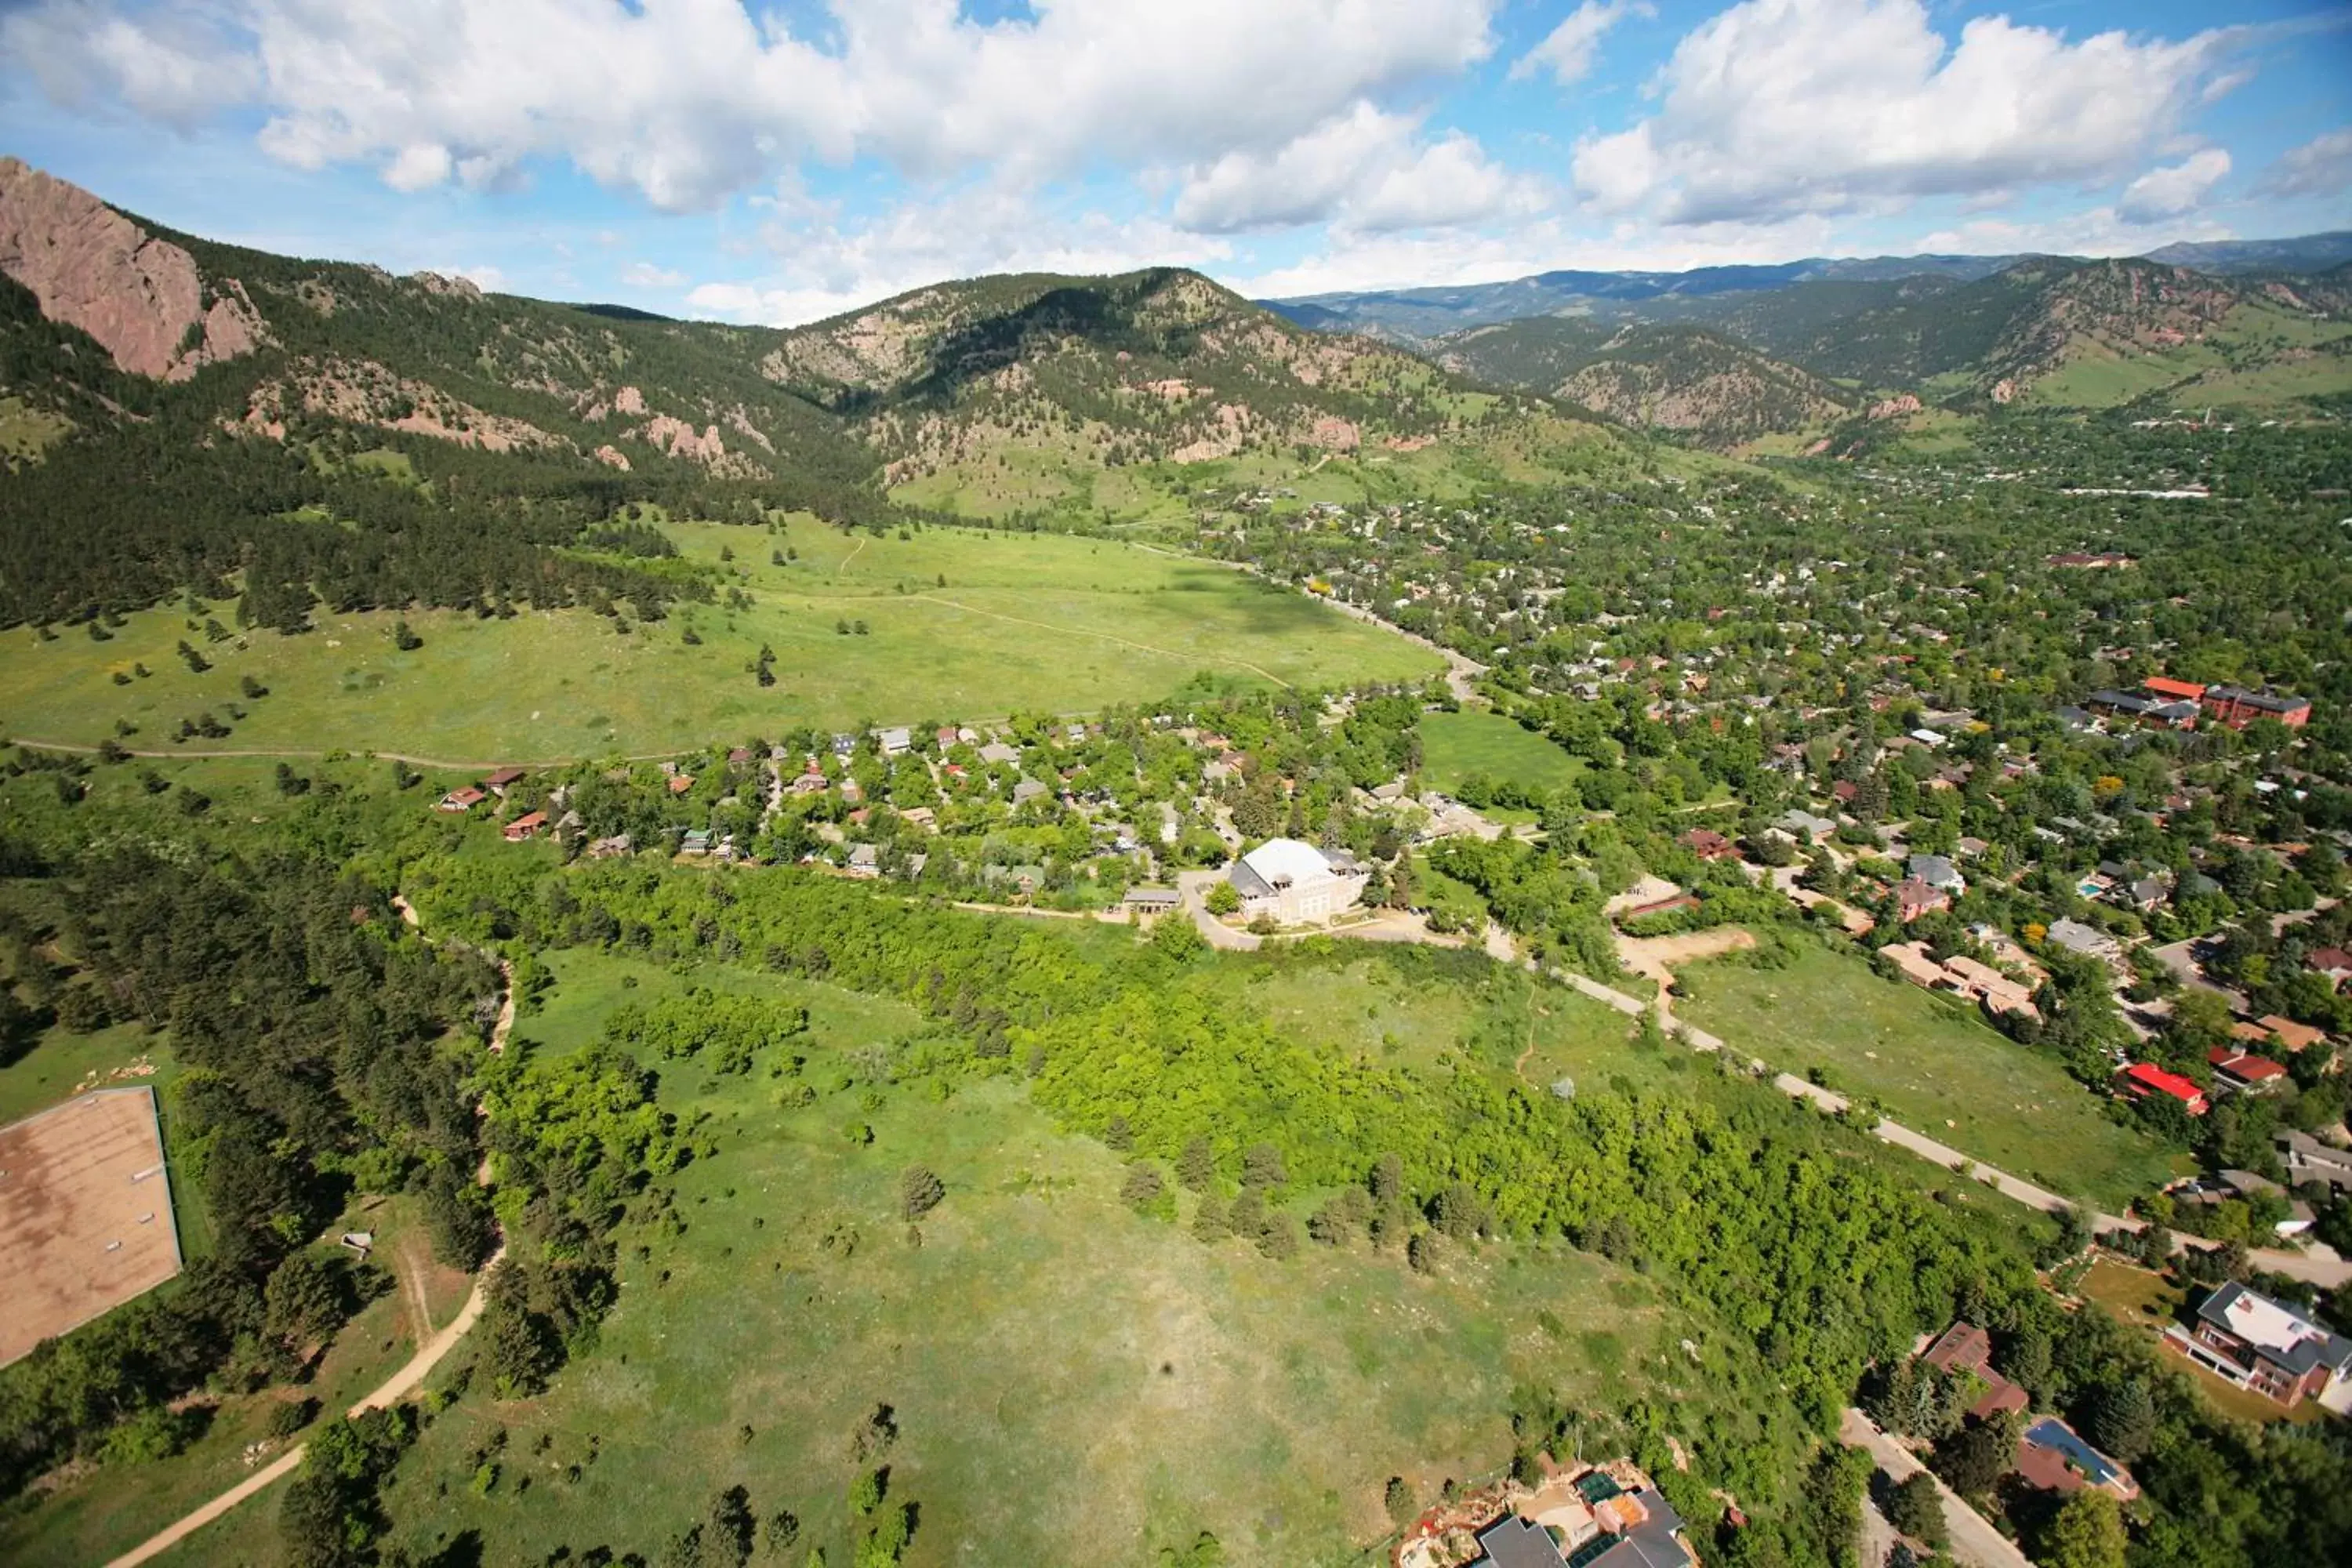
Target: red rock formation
[141, 298]
[1907, 403]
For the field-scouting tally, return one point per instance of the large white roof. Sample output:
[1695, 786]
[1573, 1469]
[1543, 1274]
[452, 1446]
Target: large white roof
[1278, 859]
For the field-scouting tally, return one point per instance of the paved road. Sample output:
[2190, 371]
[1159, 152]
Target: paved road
[1974, 1540]
[2328, 1271]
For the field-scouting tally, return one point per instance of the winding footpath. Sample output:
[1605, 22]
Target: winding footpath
[398, 1386]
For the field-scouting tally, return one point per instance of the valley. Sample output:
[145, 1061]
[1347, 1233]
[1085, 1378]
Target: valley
[1140, 927]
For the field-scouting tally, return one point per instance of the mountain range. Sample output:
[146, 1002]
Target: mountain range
[173, 410]
[1409, 315]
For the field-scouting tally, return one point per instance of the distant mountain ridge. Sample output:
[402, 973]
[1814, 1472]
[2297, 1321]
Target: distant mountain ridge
[1420, 315]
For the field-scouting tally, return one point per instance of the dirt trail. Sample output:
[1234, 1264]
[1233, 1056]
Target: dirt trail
[430, 1351]
[313, 756]
[1651, 956]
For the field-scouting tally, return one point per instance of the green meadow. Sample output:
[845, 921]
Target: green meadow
[1456, 745]
[1933, 1069]
[958, 625]
[1071, 1380]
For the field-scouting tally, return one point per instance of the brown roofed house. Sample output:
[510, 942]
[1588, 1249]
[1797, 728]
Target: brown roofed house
[1708, 845]
[523, 827]
[1964, 1347]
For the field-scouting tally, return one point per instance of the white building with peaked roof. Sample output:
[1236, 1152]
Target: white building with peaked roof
[1296, 883]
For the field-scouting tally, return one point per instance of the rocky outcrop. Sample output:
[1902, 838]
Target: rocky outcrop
[140, 297]
[361, 392]
[679, 439]
[613, 457]
[1894, 406]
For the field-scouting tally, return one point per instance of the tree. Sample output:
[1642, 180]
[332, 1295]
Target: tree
[1196, 1165]
[919, 1191]
[1403, 1508]
[1142, 1187]
[727, 1529]
[1224, 898]
[1917, 1508]
[2087, 1532]
[2120, 1419]
[1973, 1459]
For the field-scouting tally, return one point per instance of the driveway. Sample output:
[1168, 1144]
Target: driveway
[1974, 1540]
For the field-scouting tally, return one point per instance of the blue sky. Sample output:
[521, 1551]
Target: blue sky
[778, 162]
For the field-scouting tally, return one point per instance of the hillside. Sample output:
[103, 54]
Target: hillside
[1685, 380]
[2085, 334]
[193, 409]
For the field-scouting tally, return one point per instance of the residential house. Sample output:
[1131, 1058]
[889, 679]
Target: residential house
[1965, 1348]
[1515, 1543]
[2291, 1035]
[2053, 1458]
[681, 782]
[997, 751]
[1296, 882]
[2141, 1079]
[1937, 871]
[524, 827]
[2088, 941]
[895, 742]
[1914, 899]
[1708, 845]
[1026, 791]
[499, 783]
[1797, 823]
[1152, 901]
[607, 849]
[2333, 964]
[2274, 1350]
[2245, 1072]
[864, 860]
[2306, 1159]
[460, 800]
[2237, 707]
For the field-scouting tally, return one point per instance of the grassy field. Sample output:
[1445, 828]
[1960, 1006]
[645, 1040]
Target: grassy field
[1071, 1382]
[1400, 1006]
[1024, 622]
[1456, 745]
[1951, 1078]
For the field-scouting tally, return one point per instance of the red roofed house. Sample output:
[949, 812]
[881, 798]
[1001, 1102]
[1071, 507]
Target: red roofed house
[2177, 691]
[463, 799]
[523, 827]
[1708, 845]
[1964, 1347]
[681, 782]
[2334, 964]
[2143, 1079]
[498, 782]
[2242, 1070]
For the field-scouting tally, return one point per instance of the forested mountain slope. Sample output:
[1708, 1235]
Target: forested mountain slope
[177, 413]
[1687, 380]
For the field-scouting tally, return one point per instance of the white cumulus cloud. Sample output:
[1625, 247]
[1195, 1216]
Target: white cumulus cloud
[1369, 171]
[1568, 50]
[688, 101]
[1779, 107]
[2170, 192]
